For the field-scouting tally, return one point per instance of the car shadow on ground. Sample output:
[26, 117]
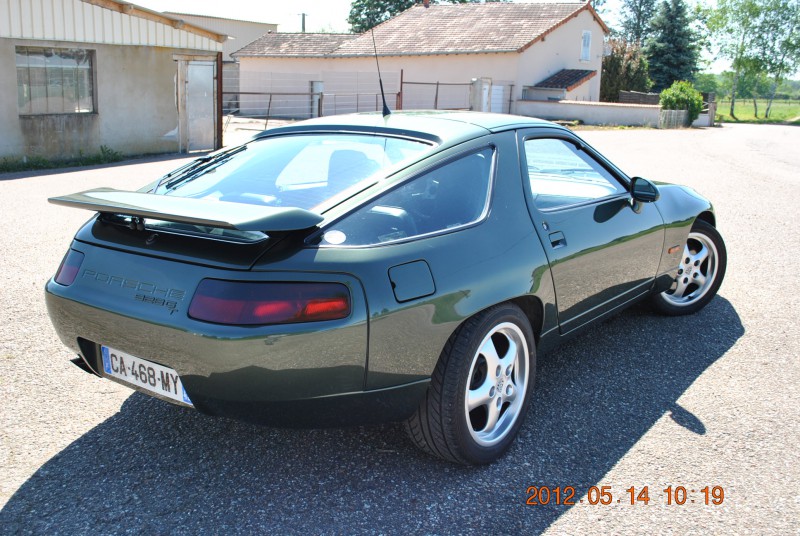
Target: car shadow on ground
[159, 469]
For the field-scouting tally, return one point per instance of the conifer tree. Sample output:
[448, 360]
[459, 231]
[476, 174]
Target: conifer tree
[672, 50]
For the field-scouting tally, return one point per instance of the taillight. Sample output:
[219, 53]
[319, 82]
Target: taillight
[253, 303]
[69, 268]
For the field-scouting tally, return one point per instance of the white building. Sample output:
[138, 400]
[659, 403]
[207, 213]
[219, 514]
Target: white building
[544, 51]
[81, 74]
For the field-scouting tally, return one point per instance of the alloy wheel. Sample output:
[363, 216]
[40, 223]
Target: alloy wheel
[496, 384]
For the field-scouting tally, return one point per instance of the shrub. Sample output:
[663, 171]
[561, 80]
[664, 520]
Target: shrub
[624, 69]
[682, 96]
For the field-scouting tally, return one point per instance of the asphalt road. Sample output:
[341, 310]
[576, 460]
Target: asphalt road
[639, 401]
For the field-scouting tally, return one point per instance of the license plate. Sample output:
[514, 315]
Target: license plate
[144, 374]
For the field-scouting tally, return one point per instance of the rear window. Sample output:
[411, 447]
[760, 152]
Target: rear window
[300, 171]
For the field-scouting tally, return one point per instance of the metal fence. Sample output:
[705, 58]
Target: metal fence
[305, 95]
[287, 105]
[434, 96]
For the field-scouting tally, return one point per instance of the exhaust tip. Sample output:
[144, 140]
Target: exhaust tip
[81, 363]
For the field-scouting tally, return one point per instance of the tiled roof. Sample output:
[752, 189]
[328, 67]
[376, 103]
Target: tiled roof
[438, 29]
[465, 28]
[567, 79]
[294, 44]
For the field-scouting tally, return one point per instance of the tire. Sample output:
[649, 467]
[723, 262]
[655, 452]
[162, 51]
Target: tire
[488, 364]
[699, 275]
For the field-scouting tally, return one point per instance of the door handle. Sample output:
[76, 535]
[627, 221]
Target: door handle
[557, 240]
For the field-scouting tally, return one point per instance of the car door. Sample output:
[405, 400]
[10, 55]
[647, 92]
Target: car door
[603, 248]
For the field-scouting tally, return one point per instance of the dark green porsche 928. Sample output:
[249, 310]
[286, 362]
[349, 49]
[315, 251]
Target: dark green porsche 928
[361, 268]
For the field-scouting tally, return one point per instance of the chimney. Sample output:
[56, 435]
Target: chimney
[426, 3]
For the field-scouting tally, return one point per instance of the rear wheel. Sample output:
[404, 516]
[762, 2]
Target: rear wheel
[480, 388]
[700, 273]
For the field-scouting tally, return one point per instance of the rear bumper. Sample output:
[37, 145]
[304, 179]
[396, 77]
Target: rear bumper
[309, 374]
[348, 409]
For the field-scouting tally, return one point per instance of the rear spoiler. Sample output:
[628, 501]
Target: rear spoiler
[221, 214]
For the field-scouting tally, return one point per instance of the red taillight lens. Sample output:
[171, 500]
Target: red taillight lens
[246, 303]
[69, 268]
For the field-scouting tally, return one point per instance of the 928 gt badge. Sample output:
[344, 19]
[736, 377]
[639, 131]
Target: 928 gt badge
[146, 292]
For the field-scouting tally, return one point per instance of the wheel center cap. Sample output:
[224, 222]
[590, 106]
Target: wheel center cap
[500, 383]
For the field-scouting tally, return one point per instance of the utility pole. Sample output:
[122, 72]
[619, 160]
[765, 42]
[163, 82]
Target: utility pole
[303, 18]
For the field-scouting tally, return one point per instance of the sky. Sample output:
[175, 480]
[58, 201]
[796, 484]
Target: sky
[321, 15]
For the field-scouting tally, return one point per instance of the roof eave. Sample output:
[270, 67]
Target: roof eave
[582, 81]
[179, 14]
[126, 8]
[541, 36]
[438, 53]
[585, 78]
[372, 55]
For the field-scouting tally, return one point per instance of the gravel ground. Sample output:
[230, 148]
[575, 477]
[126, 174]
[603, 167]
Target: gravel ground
[641, 400]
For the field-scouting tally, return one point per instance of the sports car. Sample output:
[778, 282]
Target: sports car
[367, 268]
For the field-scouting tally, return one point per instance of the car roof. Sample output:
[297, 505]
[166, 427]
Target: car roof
[441, 126]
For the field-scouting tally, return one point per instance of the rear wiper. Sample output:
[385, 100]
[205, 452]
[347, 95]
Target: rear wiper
[197, 168]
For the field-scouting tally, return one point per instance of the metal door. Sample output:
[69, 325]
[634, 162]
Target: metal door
[498, 102]
[200, 106]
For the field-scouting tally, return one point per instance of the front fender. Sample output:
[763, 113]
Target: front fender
[680, 207]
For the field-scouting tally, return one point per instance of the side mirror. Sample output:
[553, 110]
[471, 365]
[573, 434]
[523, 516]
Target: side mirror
[643, 190]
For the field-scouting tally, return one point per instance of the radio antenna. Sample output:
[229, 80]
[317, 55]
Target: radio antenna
[386, 110]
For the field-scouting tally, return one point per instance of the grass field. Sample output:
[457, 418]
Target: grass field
[783, 111]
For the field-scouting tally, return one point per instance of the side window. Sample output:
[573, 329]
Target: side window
[54, 80]
[449, 196]
[586, 45]
[561, 174]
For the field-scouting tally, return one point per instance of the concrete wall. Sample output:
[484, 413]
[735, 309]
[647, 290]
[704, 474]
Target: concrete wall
[592, 113]
[585, 92]
[135, 111]
[344, 77]
[451, 68]
[533, 93]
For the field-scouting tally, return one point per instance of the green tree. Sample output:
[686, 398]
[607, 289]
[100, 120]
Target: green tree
[725, 85]
[733, 27]
[789, 89]
[753, 83]
[635, 19]
[672, 50]
[778, 42]
[707, 83]
[366, 14]
[624, 69]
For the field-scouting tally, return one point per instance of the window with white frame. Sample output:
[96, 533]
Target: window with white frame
[55, 80]
[586, 45]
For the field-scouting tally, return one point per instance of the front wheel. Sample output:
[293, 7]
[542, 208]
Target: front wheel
[479, 390]
[700, 273]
